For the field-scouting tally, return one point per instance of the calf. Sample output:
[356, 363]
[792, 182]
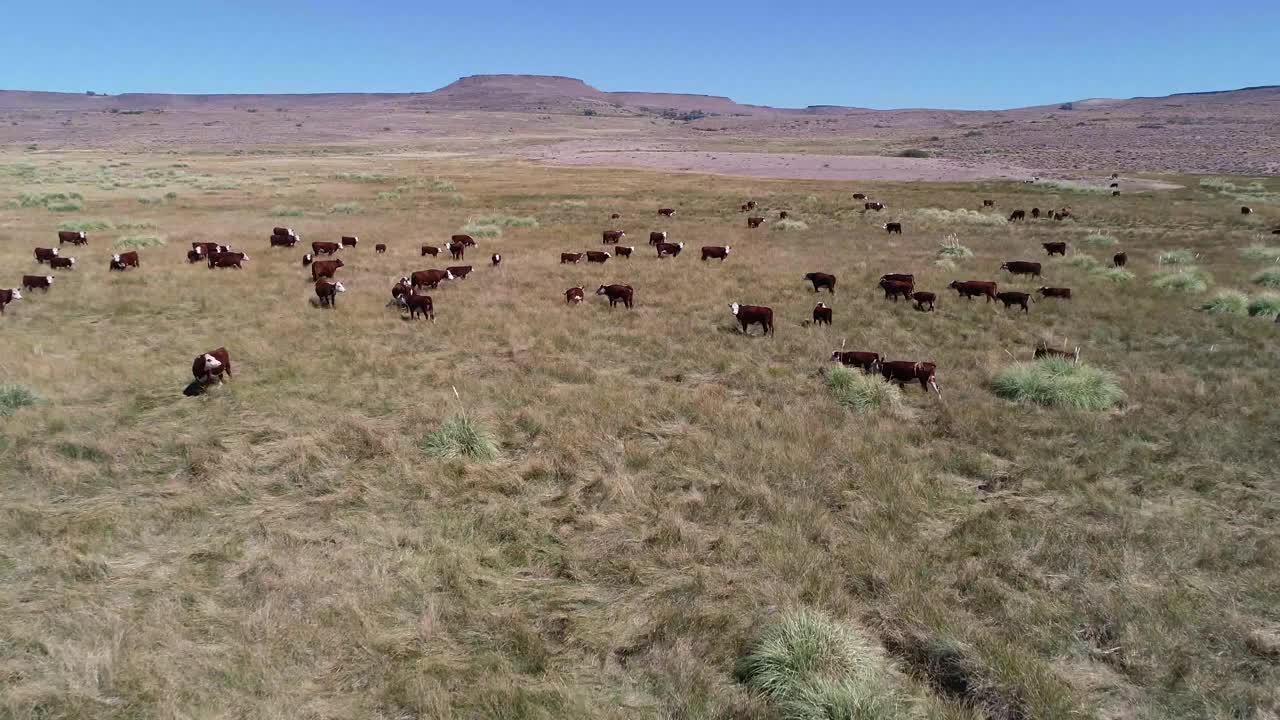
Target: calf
[970, 289]
[458, 250]
[1017, 267]
[617, 294]
[124, 260]
[624, 251]
[284, 231]
[821, 314]
[44, 255]
[1018, 216]
[859, 196]
[715, 251]
[822, 280]
[1120, 259]
[60, 263]
[656, 237]
[574, 295]
[464, 239]
[431, 250]
[496, 259]
[350, 240]
[893, 228]
[1244, 210]
[755, 222]
[894, 288]
[227, 260]
[924, 298]
[876, 206]
[306, 259]
[902, 372]
[570, 258]
[420, 305]
[429, 278]
[380, 248]
[613, 237]
[459, 271]
[75, 237]
[283, 240]
[1014, 298]
[671, 249]
[988, 203]
[1055, 292]
[8, 296]
[594, 256]
[324, 268]
[208, 368]
[748, 315]
[328, 292]
[1055, 248]
[868, 361]
[666, 212]
[31, 282]
[325, 248]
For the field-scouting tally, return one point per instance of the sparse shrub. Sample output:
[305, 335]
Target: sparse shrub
[508, 221]
[1100, 240]
[135, 242]
[478, 229]
[1227, 302]
[85, 225]
[1267, 278]
[286, 211]
[1176, 257]
[70, 205]
[1187, 279]
[388, 196]
[53, 202]
[950, 247]
[456, 199]
[1265, 305]
[171, 195]
[1116, 275]
[440, 184]
[944, 264]
[790, 224]
[1264, 253]
[1084, 262]
[962, 215]
[915, 153]
[347, 208]
[150, 200]
[461, 436]
[861, 392]
[15, 397]
[1060, 383]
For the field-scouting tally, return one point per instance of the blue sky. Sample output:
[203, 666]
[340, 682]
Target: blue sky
[926, 53]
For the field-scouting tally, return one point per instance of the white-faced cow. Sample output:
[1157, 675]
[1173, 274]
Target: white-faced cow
[748, 315]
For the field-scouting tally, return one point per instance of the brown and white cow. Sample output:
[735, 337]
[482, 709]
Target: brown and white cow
[748, 315]
[574, 295]
[613, 237]
[284, 231]
[496, 260]
[32, 282]
[283, 240]
[1019, 267]
[431, 250]
[325, 268]
[876, 206]
[893, 228]
[75, 237]
[988, 203]
[666, 212]
[325, 248]
[227, 260]
[464, 239]
[420, 305]
[900, 277]
[210, 367]
[902, 372]
[894, 288]
[62, 263]
[7, 296]
[307, 259]
[570, 258]
[327, 292]
[458, 271]
[124, 260]
[350, 240]
[755, 222]
[666, 249]
[1010, 298]
[970, 289]
[656, 237]
[208, 248]
[1055, 292]
[44, 255]
[429, 278]
[617, 293]
[380, 248]
[195, 256]
[868, 361]
[923, 298]
[400, 291]
[624, 251]
[822, 280]
[458, 250]
[821, 314]
[1055, 248]
[716, 251]
[595, 256]
[1246, 210]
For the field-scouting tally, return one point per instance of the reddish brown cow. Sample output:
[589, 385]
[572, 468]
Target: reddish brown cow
[124, 260]
[420, 305]
[894, 288]
[208, 248]
[75, 237]
[876, 206]
[570, 258]
[306, 259]
[496, 259]
[656, 237]
[755, 222]
[380, 248]
[227, 260]
[325, 248]
[429, 278]
[1035, 213]
[1015, 298]
[669, 249]
[283, 240]
[574, 295]
[464, 239]
[1055, 248]
[716, 251]
[1246, 210]
[400, 291]
[868, 361]
[595, 256]
[822, 280]
[31, 282]
[970, 289]
[283, 231]
[194, 256]
[612, 237]
[459, 271]
[900, 277]
[211, 367]
[821, 314]
[350, 240]
[431, 250]
[902, 372]
[44, 255]
[1018, 267]
[458, 250]
[988, 203]
[622, 251]
[325, 268]
[7, 296]
[666, 212]
[1055, 292]
[1018, 216]
[924, 298]
[327, 292]
[748, 315]
[617, 294]
[60, 263]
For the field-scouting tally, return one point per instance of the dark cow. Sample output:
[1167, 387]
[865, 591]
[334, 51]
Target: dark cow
[350, 240]
[75, 237]
[227, 260]
[459, 271]
[62, 263]
[324, 268]
[1055, 292]
[970, 289]
[1060, 216]
[325, 248]
[328, 292]
[429, 278]
[1018, 267]
[570, 258]
[574, 295]
[283, 231]
[656, 237]
[1018, 216]
[1244, 210]
[458, 250]
[284, 240]
[1120, 259]
[1035, 213]
[876, 206]
[307, 259]
[7, 296]
[821, 314]
[748, 315]
[666, 212]
[1115, 193]
[751, 205]
[124, 260]
[822, 280]
[924, 298]
[420, 305]
[783, 215]
[1055, 248]
[893, 228]
[902, 372]
[669, 249]
[496, 259]
[594, 256]
[617, 294]
[194, 256]
[900, 277]
[743, 208]
[988, 203]
[859, 196]
[615, 216]
[380, 248]
[400, 291]
[755, 222]
[613, 237]
[894, 288]
[431, 250]
[624, 251]
[1115, 185]
[44, 255]
[716, 251]
[1015, 298]
[31, 282]
[208, 248]
[464, 239]
[208, 368]
[868, 361]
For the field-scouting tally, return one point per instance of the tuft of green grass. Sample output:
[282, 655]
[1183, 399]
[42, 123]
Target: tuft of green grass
[1265, 253]
[1084, 262]
[363, 177]
[478, 229]
[511, 221]
[85, 225]
[456, 199]
[387, 196]
[136, 242]
[961, 215]
[1265, 305]
[861, 392]
[462, 436]
[1267, 278]
[286, 211]
[15, 397]
[54, 202]
[1059, 383]
[1187, 279]
[1116, 275]
[814, 668]
[346, 208]
[1100, 240]
[1227, 302]
[137, 225]
[65, 206]
[790, 224]
[950, 247]
[1176, 257]
[439, 184]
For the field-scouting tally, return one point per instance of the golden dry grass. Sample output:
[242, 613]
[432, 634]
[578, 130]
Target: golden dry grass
[285, 547]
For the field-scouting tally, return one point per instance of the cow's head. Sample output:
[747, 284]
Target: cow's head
[211, 363]
[734, 307]
[1004, 266]
[607, 255]
[680, 245]
[835, 355]
[73, 262]
[448, 275]
[48, 279]
[953, 284]
[601, 291]
[16, 295]
[727, 248]
[115, 258]
[822, 306]
[339, 287]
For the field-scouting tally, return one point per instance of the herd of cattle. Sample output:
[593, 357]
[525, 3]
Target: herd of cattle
[211, 367]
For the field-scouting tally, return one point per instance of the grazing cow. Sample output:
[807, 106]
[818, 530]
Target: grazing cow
[902, 372]
[899, 277]
[657, 237]
[877, 206]
[60, 263]
[822, 280]
[894, 288]
[615, 216]
[1055, 292]
[612, 237]
[755, 222]
[859, 196]
[400, 291]
[1060, 216]
[324, 268]
[570, 258]
[751, 205]
[431, 250]
[328, 292]
[1120, 259]
[1035, 213]
[1018, 216]
[8, 296]
[75, 237]
[194, 256]
[868, 361]
[458, 250]
[496, 259]
[715, 251]
[459, 271]
[325, 248]
[782, 215]
[1017, 267]
[1055, 248]
[821, 314]
[227, 259]
[208, 248]
[464, 239]
[924, 298]
[969, 289]
[893, 228]
[988, 203]
[306, 259]
[748, 315]
[617, 294]
[380, 248]
[124, 260]
[594, 256]
[430, 279]
[574, 295]
[1244, 210]
[350, 240]
[44, 255]
[283, 240]
[1015, 298]
[1115, 193]
[283, 231]
[743, 208]
[624, 251]
[210, 367]
[420, 304]
[1044, 351]
[672, 249]
[31, 282]
[666, 212]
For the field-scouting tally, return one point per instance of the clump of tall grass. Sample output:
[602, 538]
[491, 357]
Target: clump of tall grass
[814, 668]
[1264, 253]
[1253, 192]
[462, 436]
[70, 205]
[286, 211]
[1060, 383]
[1100, 240]
[362, 177]
[1115, 275]
[861, 392]
[456, 199]
[961, 215]
[136, 242]
[440, 184]
[508, 221]
[1186, 279]
[85, 225]
[387, 196]
[950, 247]
[790, 224]
[15, 397]
[54, 202]
[1176, 257]
[1227, 302]
[1072, 186]
[346, 208]
[1267, 278]
[944, 264]
[1265, 305]
[137, 225]
[1083, 262]
[150, 200]
[479, 229]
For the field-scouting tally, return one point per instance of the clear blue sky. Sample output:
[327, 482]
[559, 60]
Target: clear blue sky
[921, 53]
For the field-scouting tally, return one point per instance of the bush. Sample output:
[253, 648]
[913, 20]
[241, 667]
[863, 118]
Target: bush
[461, 436]
[150, 201]
[813, 668]
[951, 248]
[944, 264]
[1100, 240]
[1227, 302]
[387, 196]
[1116, 275]
[1176, 257]
[456, 199]
[347, 208]
[440, 184]
[285, 211]
[963, 215]
[1084, 262]
[1265, 306]
[65, 206]
[85, 225]
[1186, 280]
[915, 153]
[861, 392]
[54, 202]
[789, 224]
[1261, 252]
[476, 229]
[135, 242]
[1060, 383]
[1267, 278]
[15, 397]
[508, 221]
